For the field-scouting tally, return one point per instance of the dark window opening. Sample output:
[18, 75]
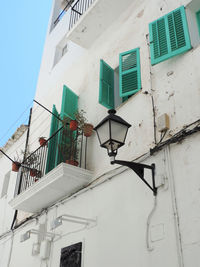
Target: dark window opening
[71, 256]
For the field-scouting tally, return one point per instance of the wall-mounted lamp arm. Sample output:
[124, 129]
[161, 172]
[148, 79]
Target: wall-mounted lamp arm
[138, 168]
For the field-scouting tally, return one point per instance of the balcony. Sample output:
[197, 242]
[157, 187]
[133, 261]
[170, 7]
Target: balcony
[86, 20]
[45, 172]
[87, 24]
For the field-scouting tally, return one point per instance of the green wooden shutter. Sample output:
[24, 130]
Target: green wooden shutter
[169, 36]
[198, 20]
[129, 72]
[58, 152]
[69, 103]
[68, 109]
[52, 144]
[106, 85]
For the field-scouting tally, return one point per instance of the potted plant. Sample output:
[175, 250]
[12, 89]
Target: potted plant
[42, 141]
[35, 173]
[68, 146]
[31, 163]
[16, 164]
[87, 128]
[73, 125]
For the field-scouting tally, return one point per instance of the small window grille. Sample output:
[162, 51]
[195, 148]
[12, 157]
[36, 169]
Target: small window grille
[71, 256]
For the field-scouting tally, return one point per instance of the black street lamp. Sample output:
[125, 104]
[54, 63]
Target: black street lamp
[112, 132]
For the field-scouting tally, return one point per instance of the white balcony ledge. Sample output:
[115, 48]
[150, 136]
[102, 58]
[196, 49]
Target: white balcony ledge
[96, 20]
[61, 182]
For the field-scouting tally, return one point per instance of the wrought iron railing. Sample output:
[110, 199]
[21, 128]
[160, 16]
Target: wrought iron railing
[78, 9]
[64, 146]
[63, 12]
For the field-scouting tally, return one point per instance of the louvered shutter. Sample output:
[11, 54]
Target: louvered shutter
[169, 36]
[68, 109]
[129, 73]
[52, 144]
[69, 103]
[106, 85]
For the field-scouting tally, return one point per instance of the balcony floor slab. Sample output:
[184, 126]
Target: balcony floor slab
[61, 182]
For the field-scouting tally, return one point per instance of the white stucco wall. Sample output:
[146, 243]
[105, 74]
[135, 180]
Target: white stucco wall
[6, 212]
[79, 70]
[122, 203]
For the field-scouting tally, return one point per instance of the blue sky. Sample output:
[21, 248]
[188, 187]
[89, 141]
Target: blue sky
[23, 30]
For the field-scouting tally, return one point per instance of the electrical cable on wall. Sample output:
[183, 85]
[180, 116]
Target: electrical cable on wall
[151, 85]
[177, 137]
[149, 247]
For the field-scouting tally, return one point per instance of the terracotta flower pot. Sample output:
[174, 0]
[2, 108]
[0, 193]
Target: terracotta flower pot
[87, 130]
[73, 125]
[15, 166]
[72, 162]
[33, 172]
[42, 141]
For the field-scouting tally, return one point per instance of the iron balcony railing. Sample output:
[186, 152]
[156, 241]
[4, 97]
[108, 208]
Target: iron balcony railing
[77, 9]
[68, 5]
[64, 146]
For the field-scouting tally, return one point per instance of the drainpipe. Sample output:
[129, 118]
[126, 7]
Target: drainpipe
[170, 175]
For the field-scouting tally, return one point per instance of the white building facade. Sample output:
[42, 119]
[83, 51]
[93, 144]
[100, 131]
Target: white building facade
[140, 58]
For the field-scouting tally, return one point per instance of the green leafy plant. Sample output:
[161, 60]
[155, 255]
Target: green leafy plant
[80, 118]
[68, 142]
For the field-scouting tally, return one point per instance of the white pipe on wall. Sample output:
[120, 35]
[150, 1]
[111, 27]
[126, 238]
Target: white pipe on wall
[169, 170]
[11, 247]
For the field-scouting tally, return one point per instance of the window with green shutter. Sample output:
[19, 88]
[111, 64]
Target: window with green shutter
[106, 85]
[68, 108]
[117, 85]
[169, 36]
[52, 144]
[198, 20]
[129, 72]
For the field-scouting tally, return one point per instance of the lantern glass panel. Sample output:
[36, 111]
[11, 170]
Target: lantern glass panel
[118, 131]
[103, 132]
